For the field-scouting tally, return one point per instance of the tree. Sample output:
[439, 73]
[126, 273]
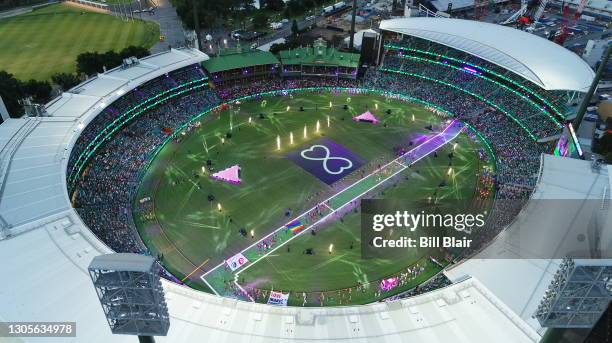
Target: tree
[294, 28]
[275, 5]
[40, 91]
[260, 20]
[65, 80]
[134, 51]
[111, 59]
[90, 63]
[11, 92]
[294, 8]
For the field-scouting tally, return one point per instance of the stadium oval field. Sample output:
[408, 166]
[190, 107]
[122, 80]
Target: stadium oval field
[190, 219]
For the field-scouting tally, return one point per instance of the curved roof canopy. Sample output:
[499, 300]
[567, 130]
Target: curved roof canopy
[541, 61]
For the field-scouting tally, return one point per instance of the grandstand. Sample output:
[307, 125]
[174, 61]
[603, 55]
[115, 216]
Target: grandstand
[319, 60]
[68, 181]
[235, 65]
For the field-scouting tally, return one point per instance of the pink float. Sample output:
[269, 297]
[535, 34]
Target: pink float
[229, 175]
[367, 117]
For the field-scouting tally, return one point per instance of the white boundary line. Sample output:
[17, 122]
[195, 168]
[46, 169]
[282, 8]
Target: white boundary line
[326, 205]
[333, 196]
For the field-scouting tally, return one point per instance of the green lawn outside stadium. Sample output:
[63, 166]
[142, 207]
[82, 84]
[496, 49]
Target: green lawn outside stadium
[189, 230]
[48, 40]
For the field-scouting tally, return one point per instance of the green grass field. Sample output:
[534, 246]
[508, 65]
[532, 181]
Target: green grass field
[46, 41]
[190, 231]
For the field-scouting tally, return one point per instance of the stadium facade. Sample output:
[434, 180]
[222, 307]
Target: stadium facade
[46, 246]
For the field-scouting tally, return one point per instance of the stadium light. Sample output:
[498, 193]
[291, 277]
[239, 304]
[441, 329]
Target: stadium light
[130, 292]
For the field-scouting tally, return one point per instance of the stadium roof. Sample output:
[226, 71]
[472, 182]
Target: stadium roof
[543, 62]
[323, 56]
[239, 60]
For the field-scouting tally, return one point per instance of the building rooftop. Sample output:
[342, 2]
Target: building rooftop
[239, 60]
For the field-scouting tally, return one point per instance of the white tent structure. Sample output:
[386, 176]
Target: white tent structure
[358, 37]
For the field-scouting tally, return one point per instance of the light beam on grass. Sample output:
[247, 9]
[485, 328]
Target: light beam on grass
[205, 144]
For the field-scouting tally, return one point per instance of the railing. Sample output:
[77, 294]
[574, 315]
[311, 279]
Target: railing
[91, 3]
[7, 153]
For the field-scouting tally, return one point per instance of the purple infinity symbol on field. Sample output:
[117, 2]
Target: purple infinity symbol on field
[327, 158]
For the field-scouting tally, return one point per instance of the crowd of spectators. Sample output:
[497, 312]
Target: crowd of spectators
[414, 45]
[103, 196]
[524, 109]
[104, 192]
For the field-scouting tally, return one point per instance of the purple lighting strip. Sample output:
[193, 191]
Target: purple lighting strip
[471, 70]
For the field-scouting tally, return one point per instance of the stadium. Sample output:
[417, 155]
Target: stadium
[217, 167]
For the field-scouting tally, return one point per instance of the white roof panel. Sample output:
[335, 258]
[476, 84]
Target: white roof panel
[543, 62]
[517, 280]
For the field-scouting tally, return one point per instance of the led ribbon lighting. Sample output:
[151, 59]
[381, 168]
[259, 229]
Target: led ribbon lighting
[122, 120]
[528, 90]
[488, 102]
[472, 72]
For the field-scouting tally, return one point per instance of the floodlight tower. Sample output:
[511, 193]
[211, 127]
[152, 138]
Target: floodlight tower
[131, 294]
[579, 293]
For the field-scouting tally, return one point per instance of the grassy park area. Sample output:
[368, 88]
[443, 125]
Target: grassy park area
[46, 41]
